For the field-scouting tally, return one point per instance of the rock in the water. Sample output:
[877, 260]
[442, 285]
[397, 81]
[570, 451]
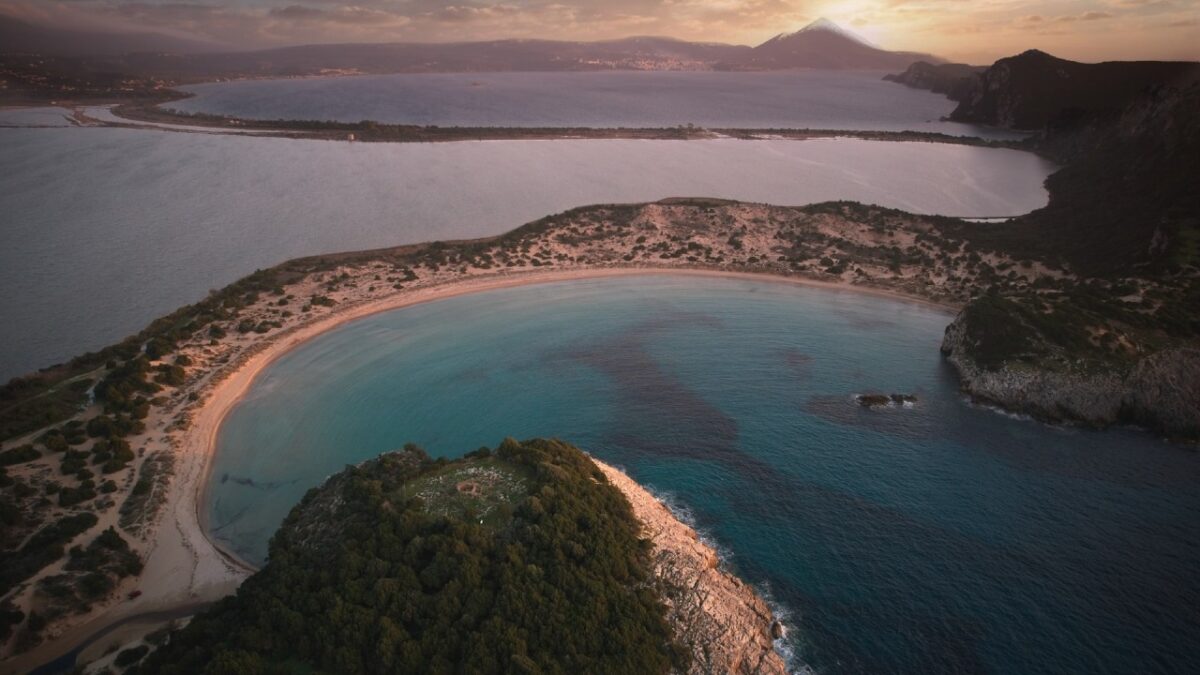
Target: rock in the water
[884, 400]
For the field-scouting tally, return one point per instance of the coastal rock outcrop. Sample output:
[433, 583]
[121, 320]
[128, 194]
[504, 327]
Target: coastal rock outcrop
[1034, 89]
[885, 400]
[1160, 391]
[723, 622]
[955, 80]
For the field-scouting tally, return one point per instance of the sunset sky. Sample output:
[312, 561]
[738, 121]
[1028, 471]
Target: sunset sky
[977, 31]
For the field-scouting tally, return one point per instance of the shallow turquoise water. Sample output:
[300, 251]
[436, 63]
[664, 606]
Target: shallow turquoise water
[944, 538]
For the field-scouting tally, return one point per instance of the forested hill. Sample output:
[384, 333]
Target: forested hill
[523, 559]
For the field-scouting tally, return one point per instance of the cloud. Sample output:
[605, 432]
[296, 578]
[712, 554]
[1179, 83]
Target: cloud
[979, 30]
[340, 15]
[1086, 16]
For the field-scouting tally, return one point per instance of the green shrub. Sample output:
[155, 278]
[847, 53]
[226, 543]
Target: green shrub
[44, 547]
[19, 455]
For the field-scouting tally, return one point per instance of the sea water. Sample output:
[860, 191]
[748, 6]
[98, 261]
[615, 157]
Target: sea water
[104, 230]
[939, 538]
[812, 99]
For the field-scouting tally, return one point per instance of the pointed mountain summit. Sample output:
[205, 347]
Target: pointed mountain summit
[823, 45]
[823, 24]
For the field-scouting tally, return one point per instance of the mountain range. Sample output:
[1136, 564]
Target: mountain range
[22, 37]
[820, 45]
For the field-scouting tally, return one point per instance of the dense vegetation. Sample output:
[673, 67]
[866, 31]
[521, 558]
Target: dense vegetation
[35, 401]
[90, 575]
[519, 560]
[44, 547]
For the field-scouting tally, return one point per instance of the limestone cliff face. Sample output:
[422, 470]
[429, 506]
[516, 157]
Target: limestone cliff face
[727, 627]
[1160, 391]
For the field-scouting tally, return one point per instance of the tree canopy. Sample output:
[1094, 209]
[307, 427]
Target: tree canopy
[518, 560]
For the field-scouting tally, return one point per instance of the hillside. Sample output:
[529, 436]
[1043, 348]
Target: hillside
[525, 559]
[1124, 217]
[1034, 89]
[522, 560]
[22, 37]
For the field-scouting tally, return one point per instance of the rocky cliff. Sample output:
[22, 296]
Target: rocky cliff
[1160, 391]
[1118, 340]
[955, 80]
[725, 625]
[1034, 89]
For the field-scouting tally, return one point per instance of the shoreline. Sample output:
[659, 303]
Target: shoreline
[231, 336]
[235, 333]
[151, 116]
[221, 402]
[731, 626]
[183, 546]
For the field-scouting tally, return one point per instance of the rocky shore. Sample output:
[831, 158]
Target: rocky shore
[1160, 391]
[723, 622]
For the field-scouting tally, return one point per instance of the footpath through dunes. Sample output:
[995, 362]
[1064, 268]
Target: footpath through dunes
[521, 558]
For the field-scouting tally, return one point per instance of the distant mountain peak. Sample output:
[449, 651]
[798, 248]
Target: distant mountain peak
[825, 45]
[1038, 54]
[827, 26]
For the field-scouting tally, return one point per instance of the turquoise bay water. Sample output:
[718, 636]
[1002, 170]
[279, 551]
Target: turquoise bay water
[944, 538]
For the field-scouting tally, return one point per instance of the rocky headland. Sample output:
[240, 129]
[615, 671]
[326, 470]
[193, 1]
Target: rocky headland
[1159, 391]
[527, 558]
[1123, 217]
[723, 623]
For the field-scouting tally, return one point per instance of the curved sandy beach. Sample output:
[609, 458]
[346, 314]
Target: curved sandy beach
[227, 392]
[184, 567]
